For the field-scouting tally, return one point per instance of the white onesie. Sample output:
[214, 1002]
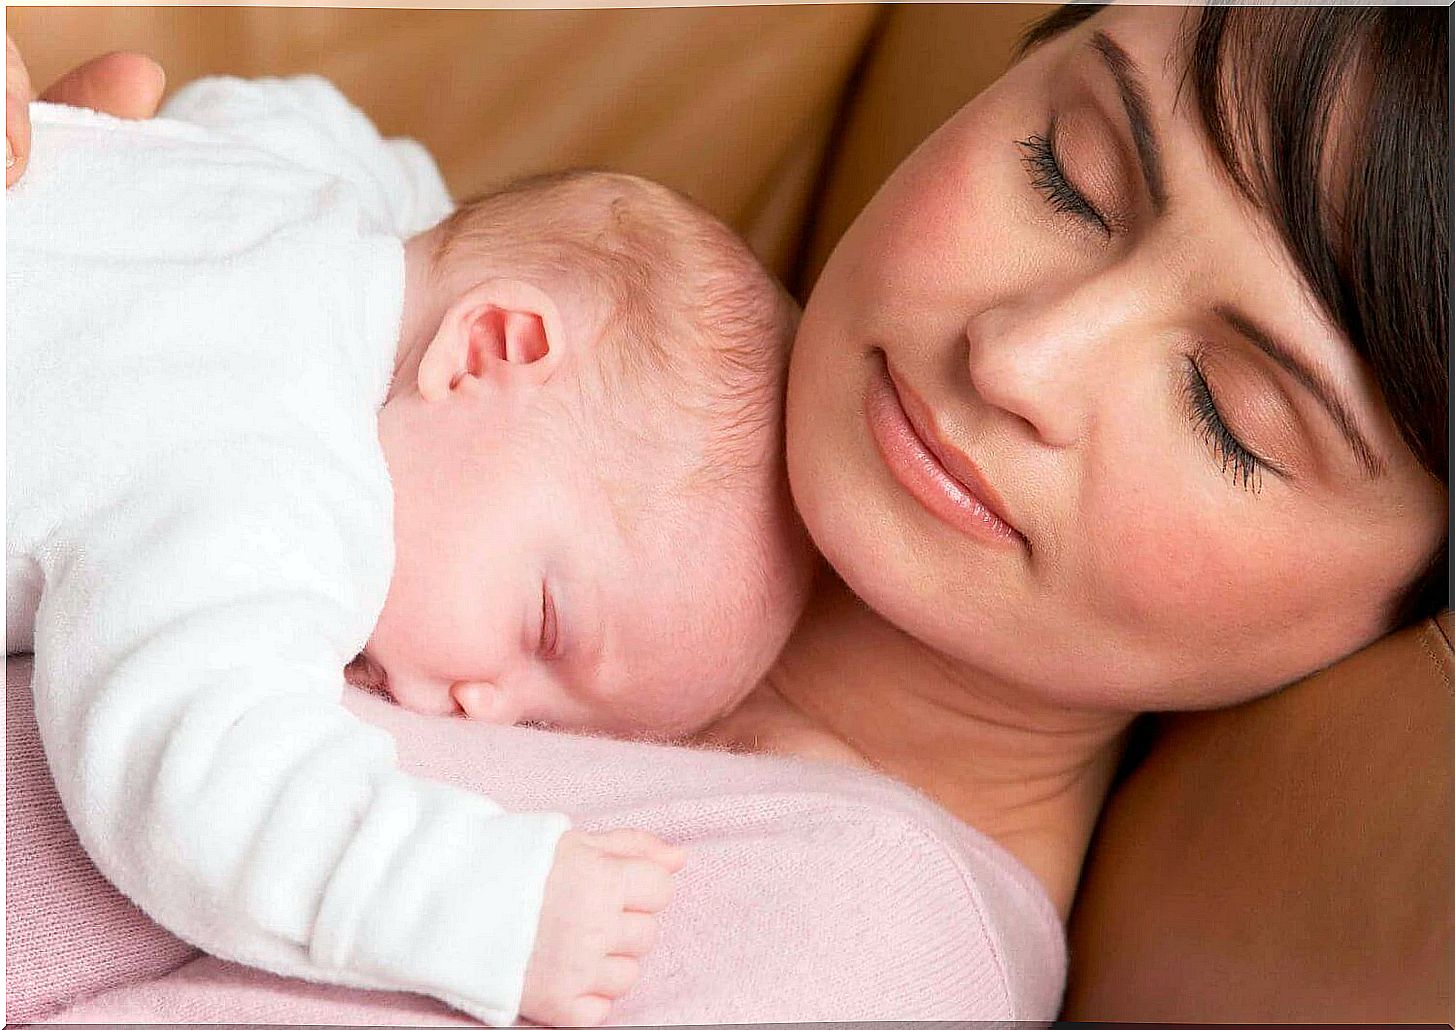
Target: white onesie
[201, 319]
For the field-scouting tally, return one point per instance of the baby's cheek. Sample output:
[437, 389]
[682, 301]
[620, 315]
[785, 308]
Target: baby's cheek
[416, 627]
[686, 689]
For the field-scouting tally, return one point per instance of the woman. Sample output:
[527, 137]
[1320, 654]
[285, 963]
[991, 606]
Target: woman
[1141, 353]
[1126, 392]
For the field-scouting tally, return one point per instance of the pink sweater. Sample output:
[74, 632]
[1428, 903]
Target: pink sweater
[813, 892]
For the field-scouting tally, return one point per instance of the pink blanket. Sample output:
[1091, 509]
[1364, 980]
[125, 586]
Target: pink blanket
[812, 893]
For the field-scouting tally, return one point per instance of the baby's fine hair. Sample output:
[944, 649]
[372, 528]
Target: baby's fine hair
[691, 315]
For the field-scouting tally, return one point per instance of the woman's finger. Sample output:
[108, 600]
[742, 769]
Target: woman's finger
[124, 84]
[17, 112]
[127, 85]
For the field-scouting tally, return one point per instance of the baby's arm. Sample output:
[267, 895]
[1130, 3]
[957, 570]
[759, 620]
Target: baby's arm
[187, 683]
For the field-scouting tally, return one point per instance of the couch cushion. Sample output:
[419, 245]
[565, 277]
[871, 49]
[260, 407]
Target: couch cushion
[926, 61]
[1285, 860]
[731, 106]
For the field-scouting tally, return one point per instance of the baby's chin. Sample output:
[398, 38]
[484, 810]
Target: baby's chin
[648, 722]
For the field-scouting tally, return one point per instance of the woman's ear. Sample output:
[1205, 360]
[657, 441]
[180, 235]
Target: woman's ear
[501, 327]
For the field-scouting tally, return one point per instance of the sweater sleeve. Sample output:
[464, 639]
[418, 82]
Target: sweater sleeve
[821, 908]
[306, 121]
[189, 652]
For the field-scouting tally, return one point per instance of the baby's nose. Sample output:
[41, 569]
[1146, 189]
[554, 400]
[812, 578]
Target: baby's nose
[420, 694]
[487, 702]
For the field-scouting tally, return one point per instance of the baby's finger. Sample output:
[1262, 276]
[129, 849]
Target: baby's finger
[636, 936]
[670, 857]
[617, 975]
[640, 844]
[647, 887]
[588, 1010]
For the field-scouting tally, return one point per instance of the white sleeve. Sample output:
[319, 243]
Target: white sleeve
[187, 687]
[307, 121]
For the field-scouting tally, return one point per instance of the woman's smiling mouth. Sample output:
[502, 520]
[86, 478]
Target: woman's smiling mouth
[941, 478]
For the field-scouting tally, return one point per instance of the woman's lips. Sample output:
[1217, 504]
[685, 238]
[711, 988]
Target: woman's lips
[944, 481]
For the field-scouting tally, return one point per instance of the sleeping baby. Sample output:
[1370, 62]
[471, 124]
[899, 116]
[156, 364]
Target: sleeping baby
[270, 410]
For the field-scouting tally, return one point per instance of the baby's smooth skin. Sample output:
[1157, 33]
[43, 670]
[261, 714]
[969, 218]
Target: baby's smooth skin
[592, 524]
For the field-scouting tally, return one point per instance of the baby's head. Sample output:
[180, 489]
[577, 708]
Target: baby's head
[592, 521]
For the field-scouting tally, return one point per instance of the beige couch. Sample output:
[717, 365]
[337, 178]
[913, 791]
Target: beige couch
[1287, 860]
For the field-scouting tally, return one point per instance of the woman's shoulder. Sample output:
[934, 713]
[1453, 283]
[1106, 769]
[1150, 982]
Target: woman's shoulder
[812, 892]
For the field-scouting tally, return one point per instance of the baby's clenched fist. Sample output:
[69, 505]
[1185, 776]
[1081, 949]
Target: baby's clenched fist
[598, 918]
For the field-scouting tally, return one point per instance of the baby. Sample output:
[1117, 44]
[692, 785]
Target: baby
[270, 408]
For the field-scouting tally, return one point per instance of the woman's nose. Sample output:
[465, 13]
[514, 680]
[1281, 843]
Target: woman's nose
[1043, 361]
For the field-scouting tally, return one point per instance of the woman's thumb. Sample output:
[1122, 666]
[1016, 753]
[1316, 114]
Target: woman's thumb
[123, 84]
[17, 112]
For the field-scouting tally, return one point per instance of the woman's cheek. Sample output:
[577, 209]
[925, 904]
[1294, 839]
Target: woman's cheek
[931, 228]
[1174, 563]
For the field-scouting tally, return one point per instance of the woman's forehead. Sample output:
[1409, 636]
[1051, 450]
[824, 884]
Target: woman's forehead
[1147, 48]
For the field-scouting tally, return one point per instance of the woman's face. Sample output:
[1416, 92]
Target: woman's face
[1061, 300]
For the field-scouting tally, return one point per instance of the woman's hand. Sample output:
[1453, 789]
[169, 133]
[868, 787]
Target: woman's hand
[127, 85]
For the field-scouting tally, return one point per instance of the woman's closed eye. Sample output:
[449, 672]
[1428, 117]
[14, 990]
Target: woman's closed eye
[1047, 175]
[1234, 458]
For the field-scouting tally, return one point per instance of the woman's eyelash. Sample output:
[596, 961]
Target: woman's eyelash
[1039, 155]
[1246, 467]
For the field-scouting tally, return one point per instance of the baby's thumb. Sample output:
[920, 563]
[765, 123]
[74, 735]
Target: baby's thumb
[639, 844]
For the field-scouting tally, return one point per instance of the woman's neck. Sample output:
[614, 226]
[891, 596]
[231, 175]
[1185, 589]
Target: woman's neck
[850, 687]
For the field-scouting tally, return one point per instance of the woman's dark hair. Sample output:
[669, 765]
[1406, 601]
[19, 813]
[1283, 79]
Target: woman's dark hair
[1374, 248]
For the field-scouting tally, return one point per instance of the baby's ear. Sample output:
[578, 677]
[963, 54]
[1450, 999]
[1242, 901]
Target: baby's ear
[501, 327]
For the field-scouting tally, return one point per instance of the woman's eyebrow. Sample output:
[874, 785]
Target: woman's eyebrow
[1322, 390]
[1133, 90]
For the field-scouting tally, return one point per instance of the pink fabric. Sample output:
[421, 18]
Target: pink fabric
[68, 932]
[812, 893]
